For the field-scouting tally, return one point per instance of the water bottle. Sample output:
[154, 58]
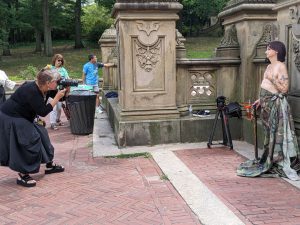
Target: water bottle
[190, 109]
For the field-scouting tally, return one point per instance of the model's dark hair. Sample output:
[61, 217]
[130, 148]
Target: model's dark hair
[46, 75]
[58, 56]
[91, 56]
[279, 47]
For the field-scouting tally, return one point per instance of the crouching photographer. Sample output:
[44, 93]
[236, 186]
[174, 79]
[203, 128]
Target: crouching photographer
[25, 144]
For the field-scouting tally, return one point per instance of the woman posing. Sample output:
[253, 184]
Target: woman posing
[281, 154]
[24, 143]
[58, 66]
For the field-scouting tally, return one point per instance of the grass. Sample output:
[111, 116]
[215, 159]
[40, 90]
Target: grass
[134, 155]
[201, 47]
[23, 55]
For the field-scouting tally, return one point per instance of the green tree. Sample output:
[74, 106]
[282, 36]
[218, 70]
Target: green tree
[95, 20]
[196, 14]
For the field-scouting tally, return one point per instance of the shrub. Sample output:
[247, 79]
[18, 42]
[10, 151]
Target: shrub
[29, 73]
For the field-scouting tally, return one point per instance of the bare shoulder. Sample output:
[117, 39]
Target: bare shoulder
[282, 68]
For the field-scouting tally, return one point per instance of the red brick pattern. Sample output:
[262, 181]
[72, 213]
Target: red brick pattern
[267, 201]
[92, 191]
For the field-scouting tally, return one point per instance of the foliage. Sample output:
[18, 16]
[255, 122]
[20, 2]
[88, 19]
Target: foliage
[106, 3]
[29, 73]
[95, 20]
[196, 15]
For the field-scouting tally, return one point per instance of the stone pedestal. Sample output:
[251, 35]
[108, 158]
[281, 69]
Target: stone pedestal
[147, 58]
[249, 18]
[107, 44]
[288, 18]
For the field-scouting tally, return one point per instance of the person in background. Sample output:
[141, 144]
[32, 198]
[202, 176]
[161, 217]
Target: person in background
[281, 153]
[5, 82]
[90, 76]
[57, 65]
[25, 144]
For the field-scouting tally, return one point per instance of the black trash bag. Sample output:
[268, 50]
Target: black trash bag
[233, 109]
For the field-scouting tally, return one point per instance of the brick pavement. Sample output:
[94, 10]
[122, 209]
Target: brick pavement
[267, 201]
[92, 190]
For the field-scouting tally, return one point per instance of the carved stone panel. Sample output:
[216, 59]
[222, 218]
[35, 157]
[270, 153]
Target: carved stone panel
[148, 65]
[296, 52]
[202, 86]
[230, 38]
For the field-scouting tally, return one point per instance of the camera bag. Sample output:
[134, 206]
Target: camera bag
[233, 109]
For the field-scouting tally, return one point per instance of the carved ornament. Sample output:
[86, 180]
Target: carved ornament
[296, 51]
[202, 84]
[179, 39]
[148, 27]
[270, 32]
[293, 12]
[148, 55]
[230, 38]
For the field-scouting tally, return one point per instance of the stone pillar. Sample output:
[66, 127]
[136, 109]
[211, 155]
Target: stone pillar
[249, 18]
[288, 18]
[107, 44]
[146, 39]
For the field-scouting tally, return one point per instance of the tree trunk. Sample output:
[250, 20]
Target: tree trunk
[6, 49]
[78, 42]
[48, 50]
[38, 40]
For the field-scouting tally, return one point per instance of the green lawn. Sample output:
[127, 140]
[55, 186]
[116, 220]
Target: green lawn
[23, 55]
[202, 47]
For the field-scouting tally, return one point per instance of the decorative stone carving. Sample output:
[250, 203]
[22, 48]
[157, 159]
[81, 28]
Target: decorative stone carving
[109, 33]
[230, 38]
[270, 33]
[293, 11]
[203, 84]
[147, 27]
[296, 51]
[148, 55]
[179, 39]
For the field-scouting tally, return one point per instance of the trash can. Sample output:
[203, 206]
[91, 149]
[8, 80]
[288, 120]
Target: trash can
[81, 104]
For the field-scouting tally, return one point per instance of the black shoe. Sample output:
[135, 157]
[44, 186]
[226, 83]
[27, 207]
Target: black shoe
[26, 180]
[202, 113]
[54, 168]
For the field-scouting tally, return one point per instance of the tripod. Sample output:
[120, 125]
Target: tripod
[227, 141]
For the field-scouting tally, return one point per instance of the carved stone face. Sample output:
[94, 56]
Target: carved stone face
[148, 56]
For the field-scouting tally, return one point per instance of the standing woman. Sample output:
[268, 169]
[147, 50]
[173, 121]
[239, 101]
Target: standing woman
[58, 66]
[24, 143]
[281, 153]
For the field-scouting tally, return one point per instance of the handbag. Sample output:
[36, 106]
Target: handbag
[233, 109]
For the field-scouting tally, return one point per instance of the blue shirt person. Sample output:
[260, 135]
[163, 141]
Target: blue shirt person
[90, 76]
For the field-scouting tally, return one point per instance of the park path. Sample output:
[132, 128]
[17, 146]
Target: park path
[267, 201]
[93, 190]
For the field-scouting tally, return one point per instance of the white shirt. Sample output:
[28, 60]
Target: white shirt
[5, 82]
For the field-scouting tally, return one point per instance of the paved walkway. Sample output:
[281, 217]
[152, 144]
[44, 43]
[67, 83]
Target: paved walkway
[93, 190]
[182, 184]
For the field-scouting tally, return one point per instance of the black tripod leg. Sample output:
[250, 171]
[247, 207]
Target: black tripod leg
[227, 131]
[213, 130]
[224, 132]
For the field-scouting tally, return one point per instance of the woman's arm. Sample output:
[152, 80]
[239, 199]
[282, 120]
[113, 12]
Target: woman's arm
[281, 80]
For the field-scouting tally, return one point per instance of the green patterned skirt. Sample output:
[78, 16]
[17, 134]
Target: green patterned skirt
[281, 153]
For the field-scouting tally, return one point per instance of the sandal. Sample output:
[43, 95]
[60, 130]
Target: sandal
[26, 180]
[54, 127]
[54, 168]
[59, 123]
